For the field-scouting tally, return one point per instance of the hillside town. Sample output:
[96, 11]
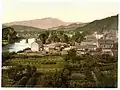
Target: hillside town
[106, 43]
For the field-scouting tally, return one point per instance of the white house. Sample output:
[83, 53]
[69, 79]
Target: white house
[98, 36]
[35, 47]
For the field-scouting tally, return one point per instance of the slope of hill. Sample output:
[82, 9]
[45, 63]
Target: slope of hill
[109, 23]
[69, 27]
[43, 23]
[21, 28]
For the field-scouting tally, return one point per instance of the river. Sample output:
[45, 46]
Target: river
[18, 46]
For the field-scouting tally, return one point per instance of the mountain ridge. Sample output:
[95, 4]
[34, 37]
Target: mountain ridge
[43, 23]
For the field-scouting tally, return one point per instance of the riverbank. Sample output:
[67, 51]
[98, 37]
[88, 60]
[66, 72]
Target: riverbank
[19, 45]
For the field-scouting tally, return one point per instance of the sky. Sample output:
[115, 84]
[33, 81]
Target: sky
[66, 10]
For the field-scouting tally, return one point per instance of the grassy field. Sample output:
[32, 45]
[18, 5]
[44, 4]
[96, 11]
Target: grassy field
[45, 64]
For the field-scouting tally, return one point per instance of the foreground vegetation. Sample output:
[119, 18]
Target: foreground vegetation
[61, 71]
[42, 64]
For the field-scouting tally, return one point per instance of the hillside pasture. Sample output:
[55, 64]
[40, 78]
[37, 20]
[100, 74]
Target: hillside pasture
[44, 64]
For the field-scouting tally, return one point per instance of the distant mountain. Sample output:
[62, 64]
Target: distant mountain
[109, 23]
[43, 23]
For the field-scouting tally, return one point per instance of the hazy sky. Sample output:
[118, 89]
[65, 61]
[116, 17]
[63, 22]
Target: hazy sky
[66, 10]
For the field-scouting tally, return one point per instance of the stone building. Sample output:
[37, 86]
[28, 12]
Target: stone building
[36, 46]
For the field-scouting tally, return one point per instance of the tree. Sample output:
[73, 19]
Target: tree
[9, 34]
[44, 36]
[72, 55]
[55, 38]
[22, 82]
[66, 38]
[31, 82]
[5, 32]
[78, 37]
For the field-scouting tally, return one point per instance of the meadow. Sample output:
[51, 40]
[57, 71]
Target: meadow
[49, 63]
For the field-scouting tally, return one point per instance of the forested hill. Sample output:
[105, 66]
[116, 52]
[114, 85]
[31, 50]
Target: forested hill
[22, 28]
[109, 23]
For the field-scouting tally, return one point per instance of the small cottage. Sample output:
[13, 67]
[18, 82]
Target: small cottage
[36, 46]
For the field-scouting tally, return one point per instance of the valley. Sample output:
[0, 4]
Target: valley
[81, 55]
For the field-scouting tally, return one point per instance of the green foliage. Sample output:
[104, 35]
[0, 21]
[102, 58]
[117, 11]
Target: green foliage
[60, 36]
[72, 55]
[86, 71]
[9, 34]
[57, 80]
[92, 73]
[7, 55]
[78, 37]
[43, 36]
[22, 28]
[31, 82]
[66, 38]
[5, 33]
[110, 23]
[43, 64]
[21, 75]
[22, 82]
